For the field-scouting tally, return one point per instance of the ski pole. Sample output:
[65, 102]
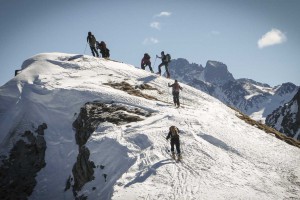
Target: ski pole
[154, 61]
[85, 48]
[168, 93]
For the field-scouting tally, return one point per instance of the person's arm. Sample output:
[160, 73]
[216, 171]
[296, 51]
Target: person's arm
[169, 135]
[142, 62]
[170, 85]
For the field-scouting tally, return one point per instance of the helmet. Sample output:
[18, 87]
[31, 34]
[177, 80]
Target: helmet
[90, 33]
[162, 52]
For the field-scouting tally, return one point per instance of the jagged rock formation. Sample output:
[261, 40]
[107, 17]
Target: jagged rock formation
[26, 159]
[90, 116]
[286, 118]
[216, 73]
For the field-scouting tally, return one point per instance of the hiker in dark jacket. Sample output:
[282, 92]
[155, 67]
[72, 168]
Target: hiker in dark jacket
[103, 50]
[146, 62]
[174, 135]
[164, 62]
[92, 42]
[175, 92]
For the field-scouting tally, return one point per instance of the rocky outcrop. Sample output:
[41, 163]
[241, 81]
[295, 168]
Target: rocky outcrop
[286, 118]
[26, 159]
[90, 116]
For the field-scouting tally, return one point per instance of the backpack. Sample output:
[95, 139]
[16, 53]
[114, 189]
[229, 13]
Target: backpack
[168, 57]
[105, 53]
[174, 132]
[102, 45]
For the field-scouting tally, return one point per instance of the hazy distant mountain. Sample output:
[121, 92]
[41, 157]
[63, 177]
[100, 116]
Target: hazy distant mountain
[253, 98]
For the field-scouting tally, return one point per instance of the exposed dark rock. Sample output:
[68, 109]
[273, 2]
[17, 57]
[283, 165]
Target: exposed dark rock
[26, 159]
[131, 90]
[90, 116]
[83, 170]
[286, 118]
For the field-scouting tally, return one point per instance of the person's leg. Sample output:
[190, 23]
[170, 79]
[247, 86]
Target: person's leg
[159, 68]
[92, 51]
[167, 70]
[149, 64]
[96, 52]
[172, 145]
[174, 98]
[177, 143]
[177, 99]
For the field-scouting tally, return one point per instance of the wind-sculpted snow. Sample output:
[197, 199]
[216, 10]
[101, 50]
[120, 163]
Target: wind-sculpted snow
[223, 156]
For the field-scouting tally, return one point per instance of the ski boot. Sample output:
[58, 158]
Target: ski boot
[173, 156]
[179, 157]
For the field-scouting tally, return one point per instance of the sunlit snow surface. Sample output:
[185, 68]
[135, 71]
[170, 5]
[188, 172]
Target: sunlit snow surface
[223, 157]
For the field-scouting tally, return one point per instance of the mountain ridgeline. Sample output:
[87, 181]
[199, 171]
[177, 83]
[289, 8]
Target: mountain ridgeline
[258, 100]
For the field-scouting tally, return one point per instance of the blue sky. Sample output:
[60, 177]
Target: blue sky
[257, 39]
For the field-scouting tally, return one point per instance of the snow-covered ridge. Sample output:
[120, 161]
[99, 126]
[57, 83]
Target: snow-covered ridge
[223, 157]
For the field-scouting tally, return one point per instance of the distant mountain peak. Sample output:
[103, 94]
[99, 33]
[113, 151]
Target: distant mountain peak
[217, 73]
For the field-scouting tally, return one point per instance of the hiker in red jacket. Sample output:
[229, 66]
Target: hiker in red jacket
[175, 91]
[146, 62]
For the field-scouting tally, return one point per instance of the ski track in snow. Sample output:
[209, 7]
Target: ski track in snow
[223, 157]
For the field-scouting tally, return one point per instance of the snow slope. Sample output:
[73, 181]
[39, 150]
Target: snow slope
[223, 157]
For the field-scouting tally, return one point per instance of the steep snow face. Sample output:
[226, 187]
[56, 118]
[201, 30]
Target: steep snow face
[223, 157]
